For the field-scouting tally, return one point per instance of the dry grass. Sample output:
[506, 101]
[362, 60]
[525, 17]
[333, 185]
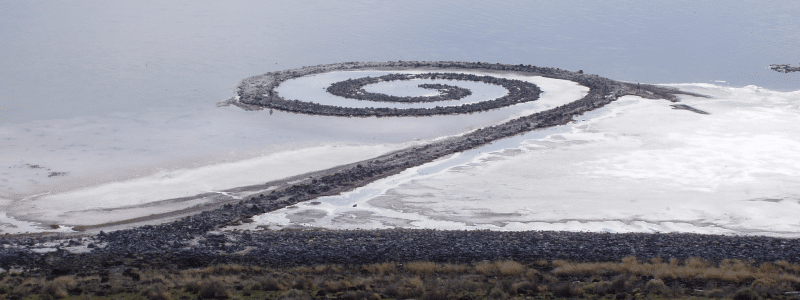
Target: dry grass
[215, 288]
[421, 267]
[504, 279]
[328, 269]
[157, 292]
[57, 288]
[335, 286]
[568, 290]
[485, 267]
[231, 269]
[454, 268]
[272, 283]
[503, 267]
[381, 268]
[733, 271]
[295, 294]
[657, 286]
[508, 267]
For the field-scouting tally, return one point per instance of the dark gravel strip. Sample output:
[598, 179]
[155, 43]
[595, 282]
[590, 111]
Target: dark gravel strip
[309, 247]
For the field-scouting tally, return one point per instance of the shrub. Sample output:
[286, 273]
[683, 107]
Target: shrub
[505, 285]
[391, 291]
[215, 289]
[599, 288]
[380, 268]
[303, 283]
[157, 292]
[413, 282]
[55, 290]
[657, 286]
[405, 293]
[496, 294]
[547, 278]
[411, 288]
[353, 295]
[273, 284]
[787, 266]
[509, 267]
[485, 268]
[421, 267]
[337, 286]
[696, 263]
[745, 294]
[532, 274]
[764, 286]
[295, 295]
[328, 269]
[621, 284]
[59, 286]
[454, 268]
[526, 287]
[568, 290]
[302, 270]
[192, 287]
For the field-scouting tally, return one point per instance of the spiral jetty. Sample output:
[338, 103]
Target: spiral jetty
[196, 240]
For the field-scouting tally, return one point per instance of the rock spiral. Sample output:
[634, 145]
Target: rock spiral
[195, 240]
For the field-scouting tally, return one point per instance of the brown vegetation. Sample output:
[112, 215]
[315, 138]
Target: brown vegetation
[732, 271]
[504, 279]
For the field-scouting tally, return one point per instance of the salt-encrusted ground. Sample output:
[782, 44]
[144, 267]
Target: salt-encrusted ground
[143, 196]
[635, 165]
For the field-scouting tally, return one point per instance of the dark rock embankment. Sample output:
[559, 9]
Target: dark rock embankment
[309, 247]
[260, 90]
[192, 241]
